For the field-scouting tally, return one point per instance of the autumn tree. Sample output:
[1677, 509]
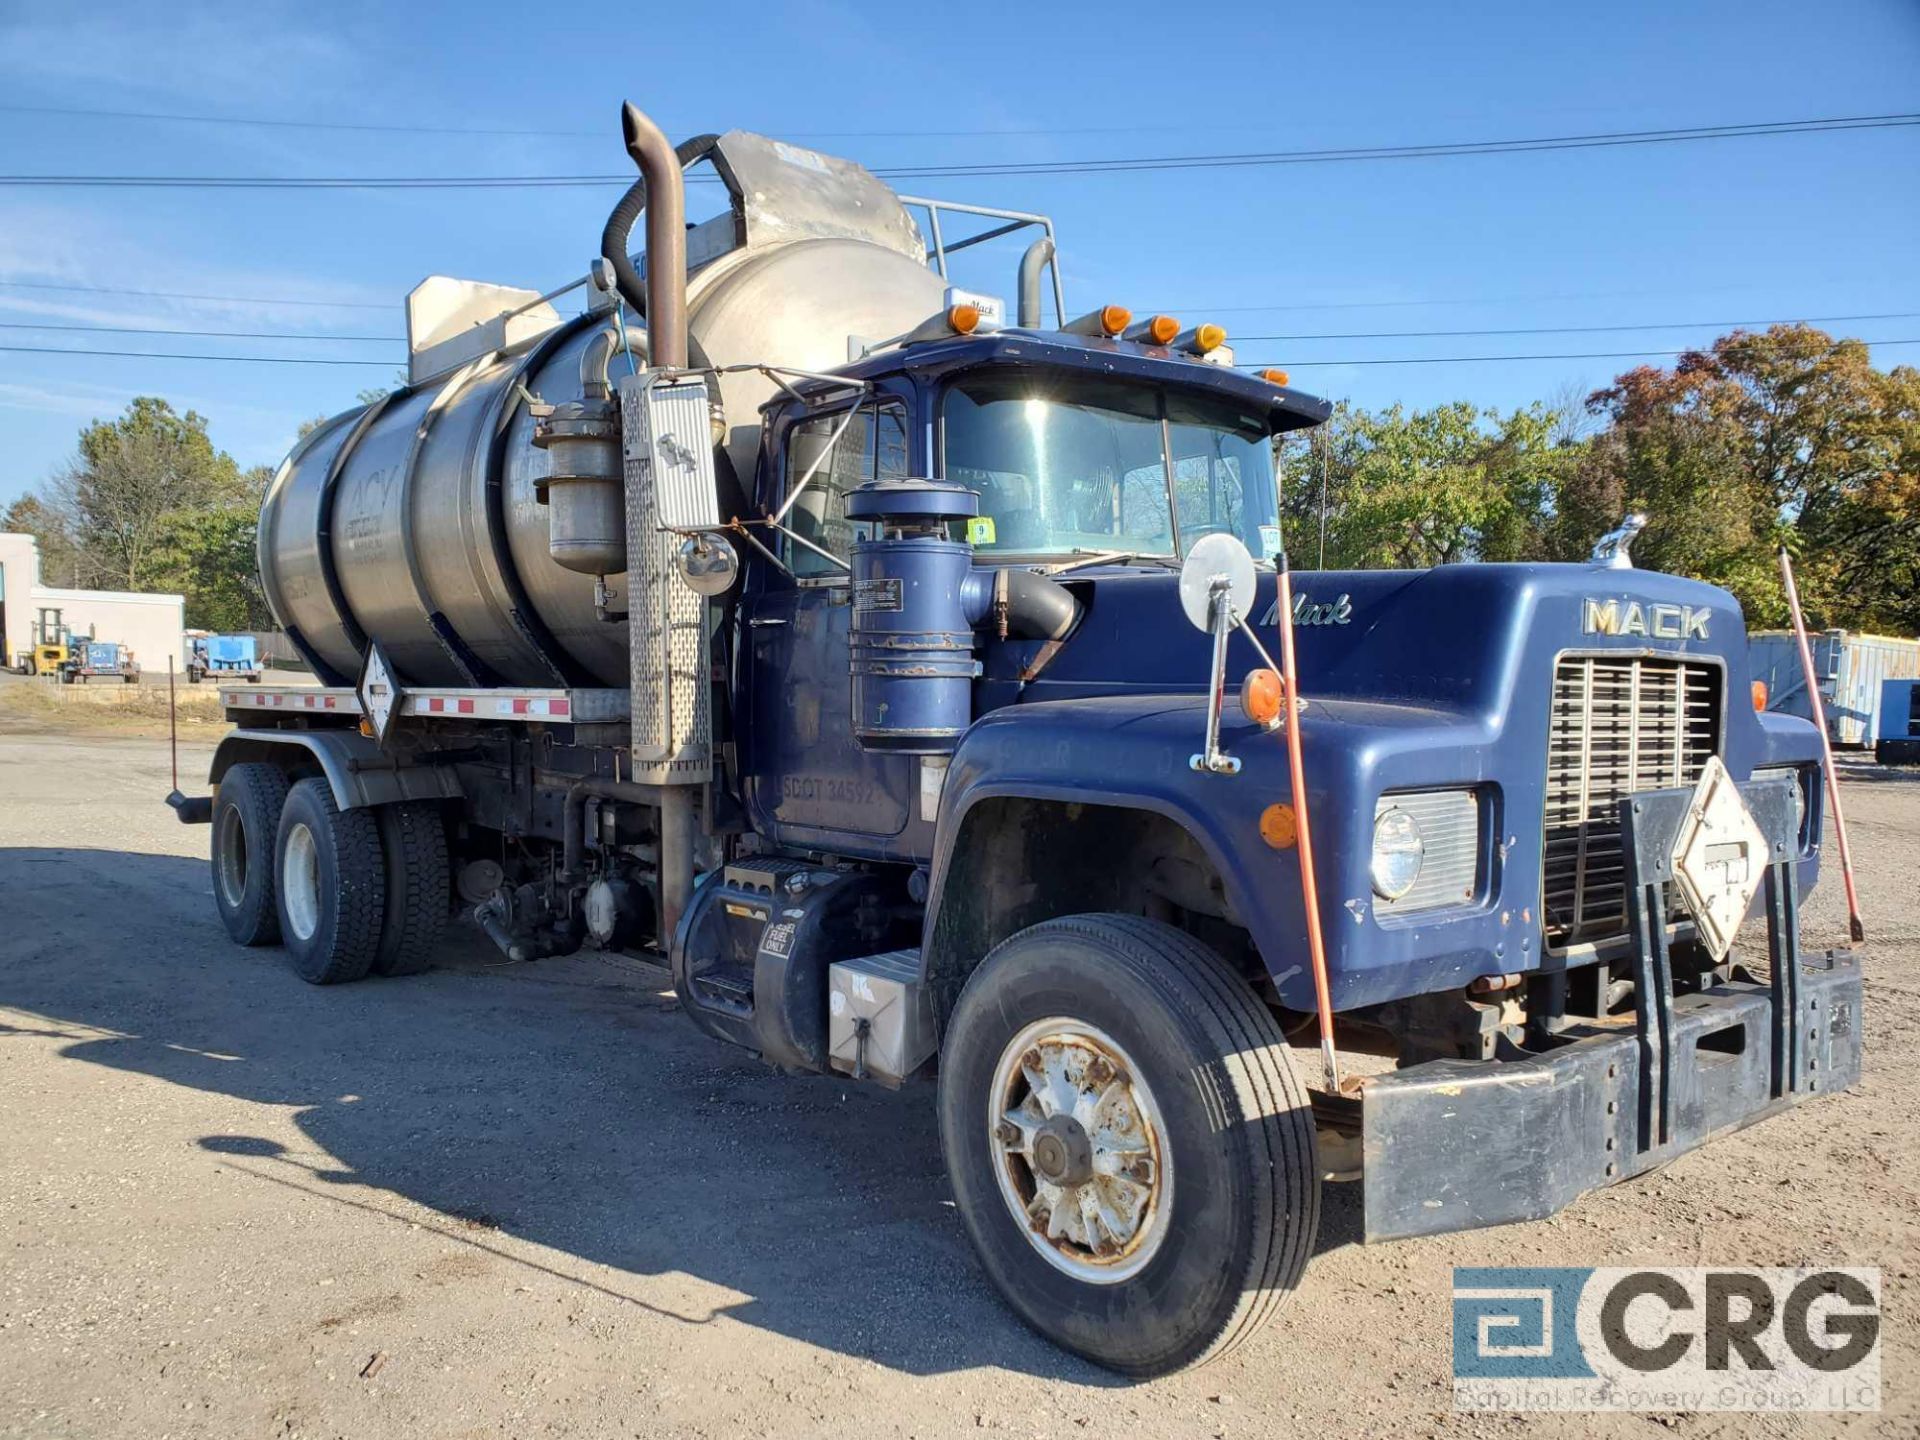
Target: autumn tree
[1783, 437]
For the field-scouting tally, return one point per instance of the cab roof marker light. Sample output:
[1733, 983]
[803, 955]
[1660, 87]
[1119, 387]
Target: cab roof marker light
[1201, 339]
[1108, 320]
[1154, 330]
[1274, 377]
[944, 324]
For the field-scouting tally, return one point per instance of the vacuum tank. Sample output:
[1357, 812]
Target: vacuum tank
[417, 522]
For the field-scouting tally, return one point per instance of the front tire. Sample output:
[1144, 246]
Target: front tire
[246, 817]
[1128, 1145]
[331, 885]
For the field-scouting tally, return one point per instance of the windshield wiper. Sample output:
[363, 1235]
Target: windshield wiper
[1086, 558]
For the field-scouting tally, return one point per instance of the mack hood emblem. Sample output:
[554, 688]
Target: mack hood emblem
[1630, 617]
[1338, 611]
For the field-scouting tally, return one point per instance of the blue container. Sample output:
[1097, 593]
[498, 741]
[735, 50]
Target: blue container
[910, 642]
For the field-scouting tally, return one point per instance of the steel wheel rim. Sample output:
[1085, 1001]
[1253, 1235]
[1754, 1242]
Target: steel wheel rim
[1078, 1150]
[231, 869]
[300, 882]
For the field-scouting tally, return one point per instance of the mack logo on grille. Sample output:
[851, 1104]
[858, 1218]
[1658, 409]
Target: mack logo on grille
[1630, 617]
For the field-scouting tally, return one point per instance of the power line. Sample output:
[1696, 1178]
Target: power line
[1245, 364]
[1603, 140]
[212, 334]
[1478, 359]
[269, 122]
[1587, 329]
[165, 355]
[183, 295]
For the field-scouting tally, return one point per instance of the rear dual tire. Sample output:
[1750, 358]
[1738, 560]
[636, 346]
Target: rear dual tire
[347, 892]
[331, 885]
[1128, 1145]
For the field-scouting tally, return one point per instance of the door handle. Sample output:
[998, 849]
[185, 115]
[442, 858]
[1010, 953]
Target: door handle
[760, 621]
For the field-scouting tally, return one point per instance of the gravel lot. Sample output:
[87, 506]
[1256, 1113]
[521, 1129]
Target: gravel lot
[532, 1200]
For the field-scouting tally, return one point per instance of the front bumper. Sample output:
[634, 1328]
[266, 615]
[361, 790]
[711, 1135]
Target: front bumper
[1458, 1144]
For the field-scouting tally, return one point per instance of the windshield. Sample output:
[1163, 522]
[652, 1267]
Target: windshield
[1065, 465]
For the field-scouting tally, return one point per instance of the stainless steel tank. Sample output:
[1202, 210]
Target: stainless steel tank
[416, 522]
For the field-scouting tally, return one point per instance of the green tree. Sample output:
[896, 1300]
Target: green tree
[1427, 487]
[1783, 437]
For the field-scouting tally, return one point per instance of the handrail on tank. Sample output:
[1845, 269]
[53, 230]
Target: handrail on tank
[1017, 220]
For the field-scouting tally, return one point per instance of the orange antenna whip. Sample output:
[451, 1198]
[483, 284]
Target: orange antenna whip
[1316, 943]
[1854, 925]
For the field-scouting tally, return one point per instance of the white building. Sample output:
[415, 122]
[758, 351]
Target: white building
[152, 626]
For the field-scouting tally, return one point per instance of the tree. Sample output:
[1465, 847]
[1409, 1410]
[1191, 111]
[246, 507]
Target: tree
[132, 479]
[148, 503]
[1783, 437]
[59, 556]
[1427, 487]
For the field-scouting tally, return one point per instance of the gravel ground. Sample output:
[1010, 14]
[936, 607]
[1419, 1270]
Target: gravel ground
[532, 1200]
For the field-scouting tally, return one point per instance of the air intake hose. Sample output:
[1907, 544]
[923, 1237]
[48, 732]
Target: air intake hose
[1025, 605]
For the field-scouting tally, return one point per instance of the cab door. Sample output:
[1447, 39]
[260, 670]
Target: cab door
[808, 783]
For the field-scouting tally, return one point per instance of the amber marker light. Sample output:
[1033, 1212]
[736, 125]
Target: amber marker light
[1209, 337]
[1262, 696]
[964, 319]
[1114, 319]
[1162, 328]
[1278, 827]
[1760, 696]
[1274, 377]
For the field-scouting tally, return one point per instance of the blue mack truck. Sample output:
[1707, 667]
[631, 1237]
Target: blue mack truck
[795, 621]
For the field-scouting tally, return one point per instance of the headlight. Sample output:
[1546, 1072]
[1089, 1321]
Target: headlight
[1397, 853]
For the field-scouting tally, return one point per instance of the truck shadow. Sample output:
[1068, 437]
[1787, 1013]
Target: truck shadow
[561, 1103]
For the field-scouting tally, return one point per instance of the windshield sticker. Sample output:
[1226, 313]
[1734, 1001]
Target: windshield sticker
[980, 530]
[1269, 541]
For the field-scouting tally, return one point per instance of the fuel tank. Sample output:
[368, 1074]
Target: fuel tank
[416, 522]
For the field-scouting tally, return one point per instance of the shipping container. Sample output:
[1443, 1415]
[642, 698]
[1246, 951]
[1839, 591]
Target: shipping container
[1852, 670]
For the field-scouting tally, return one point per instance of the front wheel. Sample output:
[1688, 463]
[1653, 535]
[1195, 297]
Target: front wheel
[1127, 1142]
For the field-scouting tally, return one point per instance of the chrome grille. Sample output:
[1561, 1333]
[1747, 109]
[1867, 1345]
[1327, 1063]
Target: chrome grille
[1620, 724]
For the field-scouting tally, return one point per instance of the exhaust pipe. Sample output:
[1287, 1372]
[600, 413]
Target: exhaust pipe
[666, 237]
[1036, 259]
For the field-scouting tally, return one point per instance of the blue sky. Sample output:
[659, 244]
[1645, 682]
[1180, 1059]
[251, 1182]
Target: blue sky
[1751, 229]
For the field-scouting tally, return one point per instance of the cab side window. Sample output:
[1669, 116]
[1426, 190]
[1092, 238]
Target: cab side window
[872, 447]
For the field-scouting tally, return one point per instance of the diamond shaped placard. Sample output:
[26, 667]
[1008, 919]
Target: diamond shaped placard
[379, 693]
[1720, 858]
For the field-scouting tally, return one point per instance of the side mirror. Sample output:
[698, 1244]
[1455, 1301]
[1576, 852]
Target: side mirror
[1216, 591]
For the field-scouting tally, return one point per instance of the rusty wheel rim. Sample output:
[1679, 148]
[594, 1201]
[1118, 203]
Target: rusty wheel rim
[1076, 1139]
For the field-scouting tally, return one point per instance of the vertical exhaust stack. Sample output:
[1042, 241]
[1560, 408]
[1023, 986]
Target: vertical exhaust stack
[667, 648]
[666, 238]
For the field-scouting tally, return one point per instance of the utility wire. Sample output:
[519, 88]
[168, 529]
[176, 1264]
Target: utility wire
[597, 134]
[1239, 339]
[163, 355]
[1606, 139]
[1297, 364]
[183, 295]
[1587, 329]
[1244, 364]
[212, 334]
